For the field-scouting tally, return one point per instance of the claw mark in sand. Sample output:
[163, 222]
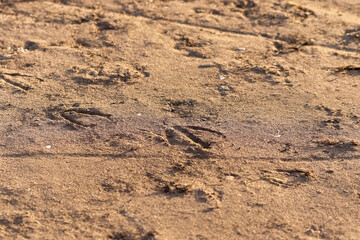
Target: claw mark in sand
[206, 129]
[89, 111]
[17, 85]
[78, 116]
[287, 177]
[73, 120]
[188, 135]
[194, 138]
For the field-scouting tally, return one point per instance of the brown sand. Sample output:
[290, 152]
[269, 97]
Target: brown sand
[147, 119]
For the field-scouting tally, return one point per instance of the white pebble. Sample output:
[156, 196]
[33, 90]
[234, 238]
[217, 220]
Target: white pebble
[240, 49]
[229, 178]
[48, 146]
[277, 135]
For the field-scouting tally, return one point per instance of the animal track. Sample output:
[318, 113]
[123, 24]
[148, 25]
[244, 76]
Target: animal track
[298, 11]
[187, 108]
[183, 108]
[191, 135]
[193, 48]
[336, 147]
[110, 185]
[287, 177]
[178, 188]
[83, 117]
[90, 111]
[200, 142]
[335, 123]
[329, 111]
[103, 76]
[20, 82]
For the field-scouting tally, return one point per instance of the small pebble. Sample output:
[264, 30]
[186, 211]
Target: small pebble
[48, 146]
[277, 135]
[223, 89]
[221, 77]
[139, 114]
[93, 73]
[240, 49]
[229, 178]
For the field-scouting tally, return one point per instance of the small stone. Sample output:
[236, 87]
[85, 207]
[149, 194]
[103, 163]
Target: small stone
[93, 72]
[224, 89]
[139, 114]
[22, 50]
[221, 77]
[240, 49]
[48, 146]
[229, 178]
[277, 135]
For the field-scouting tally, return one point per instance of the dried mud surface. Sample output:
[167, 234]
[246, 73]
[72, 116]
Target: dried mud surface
[149, 119]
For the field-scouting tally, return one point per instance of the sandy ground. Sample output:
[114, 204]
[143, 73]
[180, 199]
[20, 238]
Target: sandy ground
[149, 119]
